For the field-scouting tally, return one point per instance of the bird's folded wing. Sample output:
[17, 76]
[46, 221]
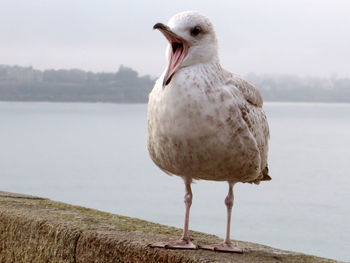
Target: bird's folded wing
[249, 92]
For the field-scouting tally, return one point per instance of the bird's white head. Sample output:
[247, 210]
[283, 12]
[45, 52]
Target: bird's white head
[192, 41]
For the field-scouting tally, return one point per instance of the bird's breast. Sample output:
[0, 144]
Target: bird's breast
[192, 131]
[182, 111]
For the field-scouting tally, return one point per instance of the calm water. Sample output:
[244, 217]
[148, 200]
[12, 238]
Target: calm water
[95, 155]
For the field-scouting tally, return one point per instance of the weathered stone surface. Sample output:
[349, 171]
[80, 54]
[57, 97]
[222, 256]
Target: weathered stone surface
[33, 229]
[25, 237]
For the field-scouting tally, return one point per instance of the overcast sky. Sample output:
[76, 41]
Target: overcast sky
[304, 37]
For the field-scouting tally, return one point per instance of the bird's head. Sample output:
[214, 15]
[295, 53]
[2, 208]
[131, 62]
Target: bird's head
[192, 41]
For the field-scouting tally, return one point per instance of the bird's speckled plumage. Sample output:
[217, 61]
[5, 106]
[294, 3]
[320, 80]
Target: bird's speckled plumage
[207, 123]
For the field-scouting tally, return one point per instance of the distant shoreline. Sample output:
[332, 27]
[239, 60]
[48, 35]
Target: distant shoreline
[126, 86]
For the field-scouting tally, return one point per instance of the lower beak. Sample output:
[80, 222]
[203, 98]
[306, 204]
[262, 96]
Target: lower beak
[178, 51]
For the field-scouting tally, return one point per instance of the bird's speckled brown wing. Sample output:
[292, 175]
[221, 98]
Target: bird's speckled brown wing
[249, 92]
[255, 118]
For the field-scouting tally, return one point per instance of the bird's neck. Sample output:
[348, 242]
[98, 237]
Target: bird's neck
[209, 72]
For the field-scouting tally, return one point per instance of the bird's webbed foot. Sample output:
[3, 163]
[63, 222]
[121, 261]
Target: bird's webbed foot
[223, 247]
[180, 244]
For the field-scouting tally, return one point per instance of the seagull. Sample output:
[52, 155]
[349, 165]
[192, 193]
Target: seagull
[204, 123]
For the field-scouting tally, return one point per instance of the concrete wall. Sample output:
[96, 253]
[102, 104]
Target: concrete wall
[40, 230]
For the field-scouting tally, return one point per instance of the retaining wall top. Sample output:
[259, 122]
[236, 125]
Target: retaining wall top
[34, 229]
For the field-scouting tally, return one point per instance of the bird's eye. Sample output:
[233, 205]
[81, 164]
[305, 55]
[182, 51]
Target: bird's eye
[195, 31]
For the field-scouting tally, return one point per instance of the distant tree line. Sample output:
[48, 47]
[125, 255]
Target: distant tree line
[28, 84]
[302, 89]
[126, 86]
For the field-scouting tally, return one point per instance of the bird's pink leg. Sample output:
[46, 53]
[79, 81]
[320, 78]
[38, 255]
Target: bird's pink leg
[226, 245]
[185, 241]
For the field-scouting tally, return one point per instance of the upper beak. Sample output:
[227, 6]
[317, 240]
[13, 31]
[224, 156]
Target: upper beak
[178, 51]
[166, 31]
[160, 26]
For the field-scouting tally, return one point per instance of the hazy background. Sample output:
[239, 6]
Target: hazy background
[95, 155]
[304, 37]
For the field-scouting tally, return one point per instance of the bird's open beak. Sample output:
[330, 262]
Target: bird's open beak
[178, 51]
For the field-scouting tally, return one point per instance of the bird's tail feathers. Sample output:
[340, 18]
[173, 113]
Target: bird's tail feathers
[266, 176]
